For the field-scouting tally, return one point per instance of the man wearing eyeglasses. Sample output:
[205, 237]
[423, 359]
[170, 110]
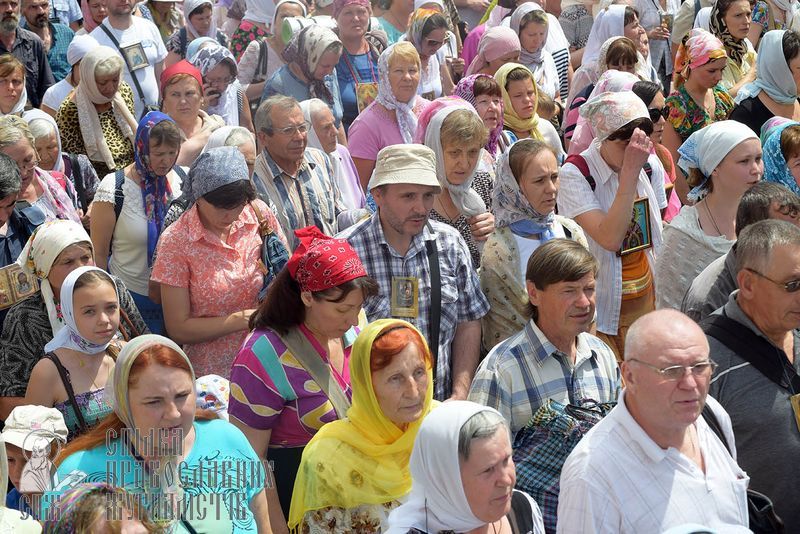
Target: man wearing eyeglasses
[290, 176]
[653, 463]
[754, 338]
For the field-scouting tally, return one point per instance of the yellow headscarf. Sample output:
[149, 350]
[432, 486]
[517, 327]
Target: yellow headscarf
[510, 118]
[362, 459]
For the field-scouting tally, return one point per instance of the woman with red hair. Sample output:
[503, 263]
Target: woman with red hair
[392, 381]
[158, 447]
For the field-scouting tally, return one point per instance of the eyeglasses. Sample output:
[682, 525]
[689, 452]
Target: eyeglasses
[219, 81]
[676, 372]
[657, 113]
[790, 287]
[294, 128]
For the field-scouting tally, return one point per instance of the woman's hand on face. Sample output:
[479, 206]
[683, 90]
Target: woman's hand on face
[636, 154]
[456, 65]
[211, 94]
[481, 226]
[659, 33]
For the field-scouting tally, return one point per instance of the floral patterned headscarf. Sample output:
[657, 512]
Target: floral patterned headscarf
[418, 19]
[608, 112]
[306, 49]
[775, 168]
[156, 191]
[700, 48]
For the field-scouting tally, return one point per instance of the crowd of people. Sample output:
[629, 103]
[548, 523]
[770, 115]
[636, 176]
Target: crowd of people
[333, 266]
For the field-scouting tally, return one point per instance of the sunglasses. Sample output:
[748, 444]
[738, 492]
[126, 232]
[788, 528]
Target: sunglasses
[657, 113]
[789, 287]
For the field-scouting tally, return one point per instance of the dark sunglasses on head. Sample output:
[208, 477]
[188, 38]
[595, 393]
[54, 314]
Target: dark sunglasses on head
[657, 113]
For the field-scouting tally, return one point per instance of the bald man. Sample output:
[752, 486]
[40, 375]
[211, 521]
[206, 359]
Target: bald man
[653, 463]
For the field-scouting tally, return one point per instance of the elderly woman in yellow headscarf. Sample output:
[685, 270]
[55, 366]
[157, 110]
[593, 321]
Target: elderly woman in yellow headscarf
[520, 100]
[355, 471]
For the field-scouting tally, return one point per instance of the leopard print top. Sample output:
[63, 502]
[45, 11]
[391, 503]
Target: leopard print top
[119, 145]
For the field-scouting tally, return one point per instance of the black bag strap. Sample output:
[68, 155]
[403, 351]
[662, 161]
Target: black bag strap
[127, 65]
[182, 42]
[180, 172]
[119, 194]
[263, 60]
[77, 179]
[768, 359]
[713, 424]
[436, 298]
[65, 379]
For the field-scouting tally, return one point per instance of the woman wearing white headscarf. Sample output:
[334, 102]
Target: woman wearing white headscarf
[199, 22]
[97, 119]
[392, 118]
[73, 167]
[453, 489]
[621, 213]
[455, 132]
[775, 90]
[13, 95]
[323, 135]
[613, 21]
[531, 25]
[722, 161]
[53, 251]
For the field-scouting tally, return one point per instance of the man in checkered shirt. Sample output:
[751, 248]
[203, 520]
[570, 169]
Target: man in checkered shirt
[395, 245]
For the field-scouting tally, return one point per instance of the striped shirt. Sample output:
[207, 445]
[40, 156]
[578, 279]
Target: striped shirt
[462, 298]
[577, 197]
[524, 371]
[618, 480]
[310, 198]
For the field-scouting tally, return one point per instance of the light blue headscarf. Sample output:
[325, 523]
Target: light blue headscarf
[705, 149]
[775, 168]
[773, 74]
[194, 47]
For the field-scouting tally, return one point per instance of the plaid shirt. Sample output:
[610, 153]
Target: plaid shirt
[462, 298]
[60, 38]
[525, 370]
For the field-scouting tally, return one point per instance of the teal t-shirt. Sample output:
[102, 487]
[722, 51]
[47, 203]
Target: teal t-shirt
[219, 477]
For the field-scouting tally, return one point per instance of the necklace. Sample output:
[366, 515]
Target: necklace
[446, 213]
[705, 203]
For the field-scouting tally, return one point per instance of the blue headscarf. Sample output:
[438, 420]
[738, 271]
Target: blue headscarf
[773, 74]
[156, 192]
[775, 169]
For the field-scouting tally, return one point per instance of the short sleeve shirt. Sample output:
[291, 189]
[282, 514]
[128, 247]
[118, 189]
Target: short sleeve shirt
[258, 389]
[222, 278]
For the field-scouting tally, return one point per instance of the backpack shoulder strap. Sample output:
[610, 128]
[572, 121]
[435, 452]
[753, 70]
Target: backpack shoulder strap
[182, 44]
[119, 194]
[77, 179]
[768, 359]
[263, 59]
[581, 164]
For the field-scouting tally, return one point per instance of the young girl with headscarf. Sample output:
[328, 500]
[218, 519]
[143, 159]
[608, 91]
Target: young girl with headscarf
[781, 144]
[722, 161]
[730, 23]
[698, 70]
[774, 91]
[520, 100]
[147, 186]
[72, 375]
[51, 253]
[531, 27]
[198, 16]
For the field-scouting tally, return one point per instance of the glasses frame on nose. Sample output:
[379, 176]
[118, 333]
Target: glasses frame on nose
[289, 131]
[703, 369]
[792, 286]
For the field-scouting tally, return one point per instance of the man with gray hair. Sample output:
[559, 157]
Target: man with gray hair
[711, 288]
[754, 339]
[653, 463]
[294, 178]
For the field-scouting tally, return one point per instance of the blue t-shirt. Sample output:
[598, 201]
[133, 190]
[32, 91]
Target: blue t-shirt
[366, 70]
[284, 82]
[220, 476]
